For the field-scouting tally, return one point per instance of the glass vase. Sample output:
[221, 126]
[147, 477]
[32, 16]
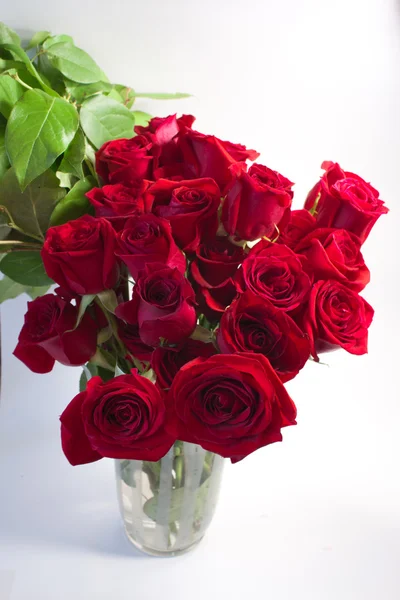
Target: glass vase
[167, 505]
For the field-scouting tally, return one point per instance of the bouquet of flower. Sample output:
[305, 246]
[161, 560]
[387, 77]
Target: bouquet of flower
[57, 107]
[195, 293]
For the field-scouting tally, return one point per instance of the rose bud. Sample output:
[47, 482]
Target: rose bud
[231, 404]
[49, 333]
[257, 204]
[275, 273]
[163, 305]
[335, 254]
[345, 201]
[148, 239]
[122, 418]
[252, 324]
[125, 160]
[166, 362]
[79, 255]
[337, 317]
[118, 202]
[190, 207]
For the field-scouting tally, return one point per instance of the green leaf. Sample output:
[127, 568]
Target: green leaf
[156, 96]
[176, 504]
[10, 289]
[118, 371]
[88, 372]
[31, 209]
[74, 63]
[26, 268]
[66, 179]
[10, 93]
[39, 129]
[50, 75]
[6, 65]
[108, 298]
[90, 152]
[127, 94]
[8, 36]
[74, 156]
[103, 119]
[74, 204]
[115, 95]
[4, 164]
[86, 301]
[4, 228]
[141, 118]
[38, 39]
[17, 51]
[58, 39]
[81, 92]
[36, 291]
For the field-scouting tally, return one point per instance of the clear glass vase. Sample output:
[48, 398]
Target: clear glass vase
[167, 505]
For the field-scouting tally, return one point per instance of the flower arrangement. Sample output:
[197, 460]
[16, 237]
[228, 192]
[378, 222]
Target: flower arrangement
[195, 293]
[187, 287]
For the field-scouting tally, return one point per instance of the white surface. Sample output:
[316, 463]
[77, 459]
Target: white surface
[314, 518]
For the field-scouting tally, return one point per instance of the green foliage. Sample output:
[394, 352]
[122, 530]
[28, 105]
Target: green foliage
[141, 118]
[74, 63]
[10, 289]
[104, 119]
[4, 164]
[56, 108]
[52, 126]
[10, 92]
[74, 204]
[25, 268]
[30, 210]
[74, 156]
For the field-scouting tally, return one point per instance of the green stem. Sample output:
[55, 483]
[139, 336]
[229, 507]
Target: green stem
[36, 55]
[25, 85]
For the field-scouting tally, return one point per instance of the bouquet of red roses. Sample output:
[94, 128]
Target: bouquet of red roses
[193, 292]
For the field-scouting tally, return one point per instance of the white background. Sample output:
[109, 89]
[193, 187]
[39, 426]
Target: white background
[318, 516]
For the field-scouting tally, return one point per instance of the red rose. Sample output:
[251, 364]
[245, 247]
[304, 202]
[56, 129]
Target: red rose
[335, 254]
[252, 324]
[301, 223]
[258, 202]
[336, 316]
[213, 270]
[129, 335]
[231, 404]
[162, 130]
[191, 208]
[207, 156]
[122, 418]
[164, 135]
[117, 202]
[344, 200]
[49, 334]
[148, 239]
[275, 273]
[162, 304]
[79, 255]
[125, 160]
[166, 362]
